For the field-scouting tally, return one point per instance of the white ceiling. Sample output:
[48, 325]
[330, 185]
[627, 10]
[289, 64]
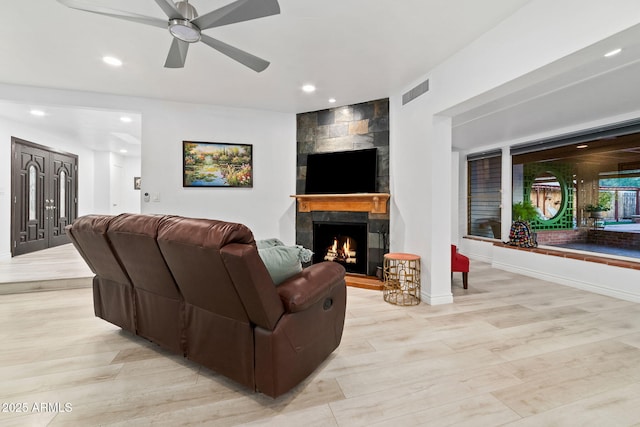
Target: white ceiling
[580, 88]
[354, 51]
[99, 130]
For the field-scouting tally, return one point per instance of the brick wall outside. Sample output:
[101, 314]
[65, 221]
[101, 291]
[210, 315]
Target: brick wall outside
[560, 237]
[618, 239]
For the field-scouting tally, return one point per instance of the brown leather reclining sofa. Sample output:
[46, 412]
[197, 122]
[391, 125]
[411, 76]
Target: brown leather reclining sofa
[198, 287]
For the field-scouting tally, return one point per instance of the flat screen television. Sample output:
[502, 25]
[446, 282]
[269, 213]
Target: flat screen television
[342, 172]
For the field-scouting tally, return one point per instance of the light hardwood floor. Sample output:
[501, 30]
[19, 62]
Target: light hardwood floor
[60, 267]
[510, 351]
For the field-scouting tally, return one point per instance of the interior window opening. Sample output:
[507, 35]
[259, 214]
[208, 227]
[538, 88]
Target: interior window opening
[583, 196]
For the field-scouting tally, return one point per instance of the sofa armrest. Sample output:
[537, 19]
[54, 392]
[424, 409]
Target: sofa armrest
[303, 290]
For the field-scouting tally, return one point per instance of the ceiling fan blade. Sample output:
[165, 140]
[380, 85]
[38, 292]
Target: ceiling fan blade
[170, 9]
[238, 11]
[120, 14]
[177, 54]
[245, 58]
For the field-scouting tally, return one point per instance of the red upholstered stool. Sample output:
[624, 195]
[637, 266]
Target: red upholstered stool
[459, 264]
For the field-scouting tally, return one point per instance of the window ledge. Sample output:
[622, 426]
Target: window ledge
[580, 256]
[482, 239]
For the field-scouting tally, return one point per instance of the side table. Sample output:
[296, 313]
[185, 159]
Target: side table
[401, 279]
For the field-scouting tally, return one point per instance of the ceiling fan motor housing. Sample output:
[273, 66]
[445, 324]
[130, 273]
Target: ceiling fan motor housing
[186, 10]
[183, 29]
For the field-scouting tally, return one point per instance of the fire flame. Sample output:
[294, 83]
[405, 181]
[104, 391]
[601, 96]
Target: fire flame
[340, 253]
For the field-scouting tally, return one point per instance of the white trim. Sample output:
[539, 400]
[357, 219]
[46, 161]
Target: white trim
[609, 280]
[436, 300]
[598, 289]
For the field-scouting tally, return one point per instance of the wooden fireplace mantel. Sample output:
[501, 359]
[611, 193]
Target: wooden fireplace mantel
[360, 202]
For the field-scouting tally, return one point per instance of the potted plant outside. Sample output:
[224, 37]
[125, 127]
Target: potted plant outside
[524, 211]
[605, 199]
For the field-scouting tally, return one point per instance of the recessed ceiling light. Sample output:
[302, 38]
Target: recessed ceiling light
[309, 88]
[125, 119]
[613, 53]
[582, 146]
[115, 62]
[332, 100]
[123, 151]
[38, 113]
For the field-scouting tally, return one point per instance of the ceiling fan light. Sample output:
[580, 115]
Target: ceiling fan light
[184, 30]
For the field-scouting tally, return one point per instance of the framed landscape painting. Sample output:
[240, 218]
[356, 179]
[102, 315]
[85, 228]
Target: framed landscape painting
[216, 164]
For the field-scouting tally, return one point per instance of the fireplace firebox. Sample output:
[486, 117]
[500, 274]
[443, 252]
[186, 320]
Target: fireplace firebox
[345, 243]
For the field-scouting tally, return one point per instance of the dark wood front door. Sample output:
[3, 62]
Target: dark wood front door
[44, 194]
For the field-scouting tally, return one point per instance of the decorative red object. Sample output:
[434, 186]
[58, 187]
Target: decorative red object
[459, 264]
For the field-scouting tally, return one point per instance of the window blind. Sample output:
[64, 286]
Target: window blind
[484, 195]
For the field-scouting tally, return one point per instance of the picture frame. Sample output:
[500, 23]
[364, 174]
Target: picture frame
[217, 164]
[137, 181]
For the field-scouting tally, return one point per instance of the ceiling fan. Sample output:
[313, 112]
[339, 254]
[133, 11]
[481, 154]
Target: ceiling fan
[186, 26]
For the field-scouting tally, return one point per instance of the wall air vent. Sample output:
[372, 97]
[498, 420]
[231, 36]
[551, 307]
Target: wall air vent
[415, 92]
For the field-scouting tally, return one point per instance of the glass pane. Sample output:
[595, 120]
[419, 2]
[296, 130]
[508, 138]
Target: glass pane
[546, 195]
[63, 195]
[587, 196]
[485, 197]
[32, 193]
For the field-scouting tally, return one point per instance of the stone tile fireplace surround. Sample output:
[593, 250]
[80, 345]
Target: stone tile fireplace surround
[347, 128]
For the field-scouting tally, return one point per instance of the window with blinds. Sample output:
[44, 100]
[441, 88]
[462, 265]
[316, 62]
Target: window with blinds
[484, 196]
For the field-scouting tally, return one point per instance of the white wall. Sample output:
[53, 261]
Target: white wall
[541, 32]
[123, 197]
[102, 180]
[266, 208]
[131, 198]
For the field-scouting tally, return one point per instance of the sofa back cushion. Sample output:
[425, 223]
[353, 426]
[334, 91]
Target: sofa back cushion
[112, 289]
[134, 240]
[159, 305]
[89, 235]
[191, 249]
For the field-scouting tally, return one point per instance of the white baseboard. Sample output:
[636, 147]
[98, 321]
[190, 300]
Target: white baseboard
[481, 258]
[574, 283]
[436, 300]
